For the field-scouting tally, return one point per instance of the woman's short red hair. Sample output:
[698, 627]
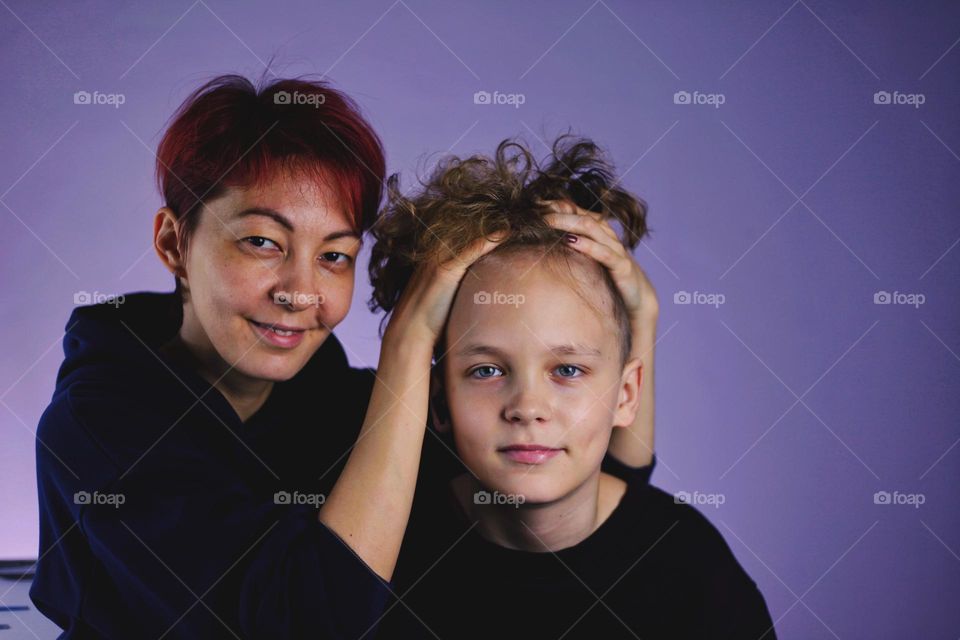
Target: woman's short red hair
[232, 133]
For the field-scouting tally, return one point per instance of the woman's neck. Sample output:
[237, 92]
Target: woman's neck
[543, 527]
[193, 349]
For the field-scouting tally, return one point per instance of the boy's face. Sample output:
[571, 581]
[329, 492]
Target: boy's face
[533, 377]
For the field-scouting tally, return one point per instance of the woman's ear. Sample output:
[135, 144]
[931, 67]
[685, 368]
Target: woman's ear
[628, 402]
[439, 410]
[166, 241]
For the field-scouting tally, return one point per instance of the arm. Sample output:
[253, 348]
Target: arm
[370, 504]
[634, 446]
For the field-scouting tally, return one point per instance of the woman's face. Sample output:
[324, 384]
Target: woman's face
[278, 254]
[533, 377]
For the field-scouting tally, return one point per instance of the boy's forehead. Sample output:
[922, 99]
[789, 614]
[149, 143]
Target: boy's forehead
[536, 270]
[523, 263]
[524, 292]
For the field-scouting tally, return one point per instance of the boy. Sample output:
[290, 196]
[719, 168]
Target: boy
[533, 375]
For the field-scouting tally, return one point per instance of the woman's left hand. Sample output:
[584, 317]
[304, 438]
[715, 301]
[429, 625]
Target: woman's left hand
[597, 239]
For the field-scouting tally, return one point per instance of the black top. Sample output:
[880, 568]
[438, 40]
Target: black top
[653, 569]
[158, 506]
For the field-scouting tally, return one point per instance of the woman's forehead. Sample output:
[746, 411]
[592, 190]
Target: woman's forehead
[298, 203]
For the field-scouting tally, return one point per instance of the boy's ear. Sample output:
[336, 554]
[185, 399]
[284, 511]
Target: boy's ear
[628, 402]
[439, 411]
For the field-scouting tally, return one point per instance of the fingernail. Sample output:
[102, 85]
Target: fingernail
[571, 238]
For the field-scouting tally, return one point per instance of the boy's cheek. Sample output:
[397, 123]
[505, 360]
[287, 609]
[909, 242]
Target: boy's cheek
[590, 436]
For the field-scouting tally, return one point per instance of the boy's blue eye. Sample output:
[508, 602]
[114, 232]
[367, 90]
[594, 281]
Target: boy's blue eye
[484, 371]
[568, 370]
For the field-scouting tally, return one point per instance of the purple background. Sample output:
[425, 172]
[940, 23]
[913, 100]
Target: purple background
[797, 199]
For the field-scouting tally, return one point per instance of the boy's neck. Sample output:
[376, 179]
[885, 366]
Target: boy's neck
[546, 526]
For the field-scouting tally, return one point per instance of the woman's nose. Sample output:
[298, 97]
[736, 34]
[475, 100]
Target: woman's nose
[299, 286]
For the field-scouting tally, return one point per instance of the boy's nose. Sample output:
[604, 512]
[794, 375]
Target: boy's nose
[527, 406]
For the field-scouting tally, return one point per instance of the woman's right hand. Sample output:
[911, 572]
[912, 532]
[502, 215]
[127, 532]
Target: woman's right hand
[369, 506]
[425, 303]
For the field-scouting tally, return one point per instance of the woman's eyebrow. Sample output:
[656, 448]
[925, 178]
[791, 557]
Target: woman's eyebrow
[267, 212]
[284, 222]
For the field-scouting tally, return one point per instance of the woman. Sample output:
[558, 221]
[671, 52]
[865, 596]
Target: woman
[205, 467]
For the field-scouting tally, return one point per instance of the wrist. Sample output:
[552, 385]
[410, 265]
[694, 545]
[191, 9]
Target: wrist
[644, 331]
[408, 344]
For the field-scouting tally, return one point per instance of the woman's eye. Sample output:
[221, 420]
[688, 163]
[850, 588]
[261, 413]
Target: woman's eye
[261, 243]
[337, 257]
[568, 371]
[484, 371]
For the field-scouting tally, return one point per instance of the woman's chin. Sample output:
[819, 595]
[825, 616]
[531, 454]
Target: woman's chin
[270, 368]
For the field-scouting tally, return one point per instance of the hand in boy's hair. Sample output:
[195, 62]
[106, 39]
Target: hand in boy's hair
[466, 199]
[591, 234]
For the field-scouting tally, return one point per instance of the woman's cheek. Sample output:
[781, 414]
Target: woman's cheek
[337, 299]
[239, 277]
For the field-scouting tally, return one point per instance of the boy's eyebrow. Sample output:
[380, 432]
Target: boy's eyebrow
[566, 349]
[284, 222]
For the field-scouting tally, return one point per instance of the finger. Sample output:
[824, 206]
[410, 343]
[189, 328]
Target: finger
[564, 207]
[598, 230]
[568, 207]
[614, 261]
[459, 264]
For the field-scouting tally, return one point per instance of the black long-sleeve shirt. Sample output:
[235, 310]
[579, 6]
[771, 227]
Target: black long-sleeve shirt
[654, 569]
[159, 511]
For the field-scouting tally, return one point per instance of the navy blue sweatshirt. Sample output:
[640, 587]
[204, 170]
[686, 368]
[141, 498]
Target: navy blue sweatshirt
[162, 514]
[655, 569]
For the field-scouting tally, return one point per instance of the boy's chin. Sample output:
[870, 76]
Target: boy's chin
[530, 491]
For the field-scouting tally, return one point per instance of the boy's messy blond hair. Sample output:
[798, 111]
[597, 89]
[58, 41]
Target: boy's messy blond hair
[466, 199]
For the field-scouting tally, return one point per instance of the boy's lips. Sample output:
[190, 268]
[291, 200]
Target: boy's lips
[529, 453]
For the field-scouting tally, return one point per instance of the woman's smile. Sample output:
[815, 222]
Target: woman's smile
[279, 335]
